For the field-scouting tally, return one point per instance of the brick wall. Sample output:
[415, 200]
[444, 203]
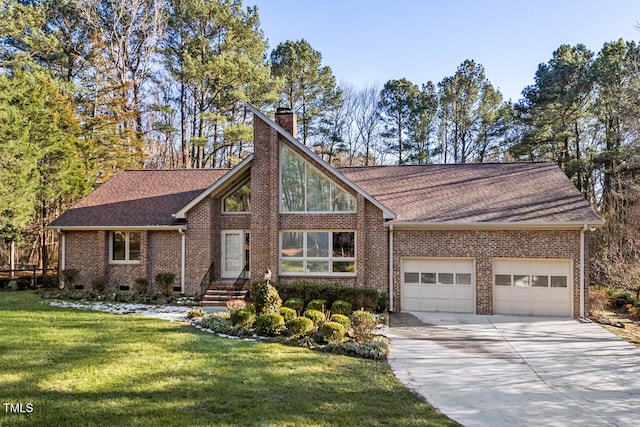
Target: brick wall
[87, 251]
[199, 245]
[165, 254]
[483, 246]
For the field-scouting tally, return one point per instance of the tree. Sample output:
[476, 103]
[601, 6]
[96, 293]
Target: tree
[554, 112]
[469, 108]
[306, 87]
[398, 107]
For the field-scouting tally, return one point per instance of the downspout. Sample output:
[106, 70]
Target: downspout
[582, 261]
[390, 267]
[183, 259]
[62, 264]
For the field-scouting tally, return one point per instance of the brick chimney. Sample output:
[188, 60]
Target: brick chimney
[287, 119]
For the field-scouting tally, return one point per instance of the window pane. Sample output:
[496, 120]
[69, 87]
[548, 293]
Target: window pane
[343, 201]
[318, 266]
[503, 280]
[344, 267]
[239, 200]
[411, 277]
[429, 278]
[558, 281]
[344, 244]
[293, 181]
[292, 266]
[292, 244]
[134, 246]
[318, 191]
[539, 281]
[463, 279]
[520, 280]
[318, 244]
[118, 244]
[445, 278]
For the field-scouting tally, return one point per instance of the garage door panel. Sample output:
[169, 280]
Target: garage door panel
[533, 287]
[439, 289]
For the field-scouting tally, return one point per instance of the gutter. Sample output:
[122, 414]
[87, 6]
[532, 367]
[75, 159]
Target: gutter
[390, 267]
[183, 259]
[521, 225]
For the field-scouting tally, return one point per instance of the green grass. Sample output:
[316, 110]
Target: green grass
[81, 368]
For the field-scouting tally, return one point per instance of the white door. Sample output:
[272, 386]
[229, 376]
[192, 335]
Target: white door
[438, 284]
[542, 287]
[234, 250]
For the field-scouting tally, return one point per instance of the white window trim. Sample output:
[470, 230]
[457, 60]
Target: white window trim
[235, 188]
[126, 248]
[332, 185]
[330, 259]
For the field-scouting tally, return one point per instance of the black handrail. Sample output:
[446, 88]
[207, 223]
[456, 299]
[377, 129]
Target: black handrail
[209, 277]
[238, 285]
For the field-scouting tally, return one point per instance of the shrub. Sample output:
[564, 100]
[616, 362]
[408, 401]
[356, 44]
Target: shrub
[236, 304]
[341, 307]
[70, 276]
[269, 324]
[265, 298]
[300, 326]
[342, 319]
[377, 349]
[47, 281]
[165, 282]
[316, 316]
[222, 325]
[196, 312]
[316, 304]
[140, 285]
[242, 317]
[332, 332]
[288, 313]
[598, 300]
[99, 284]
[362, 324]
[295, 303]
[369, 299]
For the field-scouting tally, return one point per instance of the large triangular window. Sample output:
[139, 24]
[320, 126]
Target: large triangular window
[239, 200]
[305, 189]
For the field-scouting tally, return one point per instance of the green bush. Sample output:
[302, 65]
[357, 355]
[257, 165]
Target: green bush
[23, 282]
[316, 304]
[332, 332]
[165, 282]
[288, 313]
[141, 285]
[99, 284]
[70, 276]
[243, 317]
[222, 325]
[47, 281]
[342, 319]
[377, 349]
[341, 307]
[300, 326]
[269, 324]
[369, 299]
[362, 324]
[316, 316]
[296, 303]
[196, 312]
[265, 299]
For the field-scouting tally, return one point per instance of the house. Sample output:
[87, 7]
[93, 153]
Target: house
[477, 238]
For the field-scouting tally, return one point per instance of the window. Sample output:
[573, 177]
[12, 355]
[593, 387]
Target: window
[503, 280]
[125, 247]
[317, 253]
[239, 200]
[536, 281]
[303, 188]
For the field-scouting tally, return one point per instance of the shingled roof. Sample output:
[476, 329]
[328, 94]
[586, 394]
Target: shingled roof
[476, 193]
[139, 198]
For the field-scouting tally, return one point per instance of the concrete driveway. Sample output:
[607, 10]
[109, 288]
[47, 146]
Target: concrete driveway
[519, 371]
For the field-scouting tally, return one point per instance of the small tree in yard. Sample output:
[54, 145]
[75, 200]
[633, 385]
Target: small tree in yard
[265, 298]
[165, 282]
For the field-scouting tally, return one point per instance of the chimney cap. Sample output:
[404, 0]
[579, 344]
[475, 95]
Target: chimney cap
[283, 110]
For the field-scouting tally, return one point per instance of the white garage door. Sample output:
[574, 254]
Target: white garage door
[539, 287]
[441, 284]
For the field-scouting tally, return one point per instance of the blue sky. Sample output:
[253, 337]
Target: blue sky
[372, 41]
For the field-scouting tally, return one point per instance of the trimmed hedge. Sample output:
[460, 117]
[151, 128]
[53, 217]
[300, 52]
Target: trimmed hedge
[269, 324]
[332, 332]
[368, 299]
[341, 307]
[316, 316]
[243, 317]
[288, 313]
[296, 303]
[316, 304]
[300, 326]
[342, 319]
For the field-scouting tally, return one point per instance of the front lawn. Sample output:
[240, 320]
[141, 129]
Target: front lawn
[95, 369]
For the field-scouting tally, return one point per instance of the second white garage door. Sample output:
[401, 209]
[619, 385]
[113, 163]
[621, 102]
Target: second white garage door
[438, 284]
[540, 287]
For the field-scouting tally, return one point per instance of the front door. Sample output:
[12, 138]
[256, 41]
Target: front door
[235, 253]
